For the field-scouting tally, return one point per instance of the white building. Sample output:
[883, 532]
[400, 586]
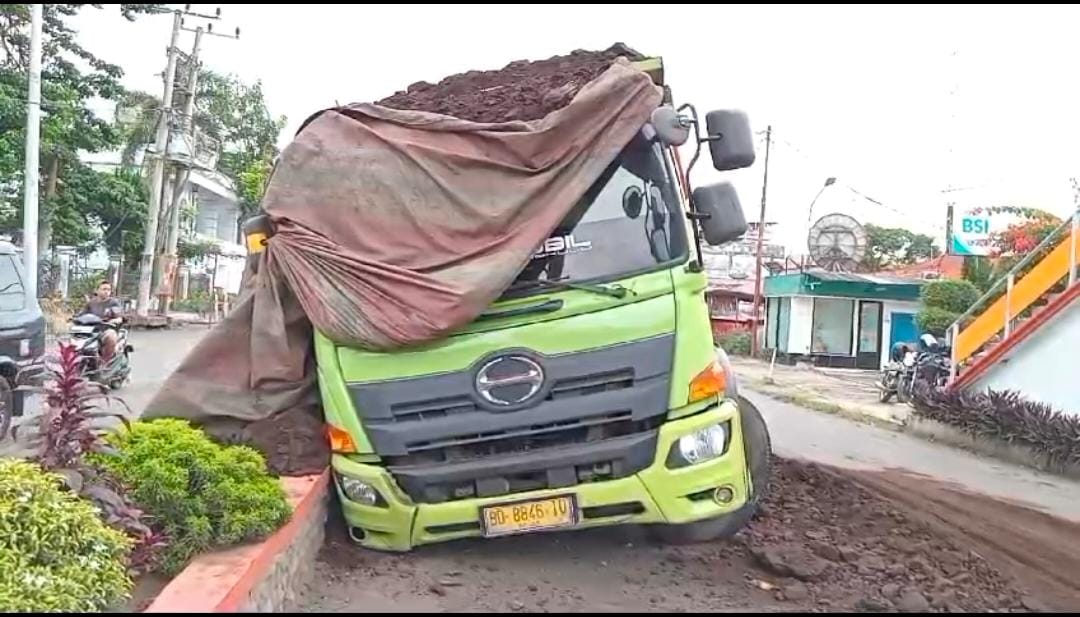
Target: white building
[210, 210]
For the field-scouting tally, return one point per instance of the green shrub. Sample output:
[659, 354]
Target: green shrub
[56, 555]
[735, 343]
[949, 295]
[934, 320]
[202, 494]
[1005, 416]
[198, 302]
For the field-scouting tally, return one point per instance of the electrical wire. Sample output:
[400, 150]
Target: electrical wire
[907, 215]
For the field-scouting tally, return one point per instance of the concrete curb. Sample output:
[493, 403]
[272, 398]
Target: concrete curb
[932, 430]
[929, 430]
[262, 577]
[815, 402]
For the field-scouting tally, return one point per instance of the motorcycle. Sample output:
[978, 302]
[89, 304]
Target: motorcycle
[87, 332]
[933, 364]
[896, 376]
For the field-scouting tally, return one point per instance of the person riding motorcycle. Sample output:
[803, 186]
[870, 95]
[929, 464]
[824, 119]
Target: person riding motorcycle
[108, 308]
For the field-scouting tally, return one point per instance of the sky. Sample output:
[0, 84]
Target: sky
[912, 106]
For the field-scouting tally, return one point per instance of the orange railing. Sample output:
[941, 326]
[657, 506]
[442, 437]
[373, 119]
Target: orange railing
[968, 337]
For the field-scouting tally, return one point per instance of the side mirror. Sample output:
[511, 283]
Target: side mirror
[671, 129]
[731, 142]
[723, 219]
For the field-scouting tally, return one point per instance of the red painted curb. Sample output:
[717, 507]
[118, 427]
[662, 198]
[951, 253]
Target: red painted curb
[222, 581]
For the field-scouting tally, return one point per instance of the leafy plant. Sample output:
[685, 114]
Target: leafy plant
[197, 302]
[935, 320]
[202, 493]
[735, 343]
[950, 295]
[56, 555]
[1006, 416]
[942, 302]
[67, 436]
[894, 246]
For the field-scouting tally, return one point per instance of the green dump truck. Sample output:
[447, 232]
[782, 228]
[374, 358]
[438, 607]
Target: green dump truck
[589, 394]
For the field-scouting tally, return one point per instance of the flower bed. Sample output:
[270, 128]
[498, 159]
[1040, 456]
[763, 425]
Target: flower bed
[143, 501]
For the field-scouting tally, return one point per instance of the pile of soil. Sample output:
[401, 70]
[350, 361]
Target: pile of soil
[838, 538]
[521, 90]
[825, 540]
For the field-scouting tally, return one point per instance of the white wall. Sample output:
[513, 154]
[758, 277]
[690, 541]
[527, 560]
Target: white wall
[890, 307]
[802, 315]
[1042, 367]
[802, 312]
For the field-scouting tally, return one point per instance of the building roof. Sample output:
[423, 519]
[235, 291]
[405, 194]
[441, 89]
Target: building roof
[843, 285]
[944, 266]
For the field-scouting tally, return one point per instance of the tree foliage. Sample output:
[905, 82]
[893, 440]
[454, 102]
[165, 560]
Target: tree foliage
[236, 114]
[943, 302]
[893, 246]
[72, 76]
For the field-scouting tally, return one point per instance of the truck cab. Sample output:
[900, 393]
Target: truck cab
[590, 393]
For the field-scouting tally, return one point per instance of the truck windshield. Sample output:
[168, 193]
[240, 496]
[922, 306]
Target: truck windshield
[12, 292]
[630, 221]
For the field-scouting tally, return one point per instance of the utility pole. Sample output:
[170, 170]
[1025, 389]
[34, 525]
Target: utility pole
[754, 343]
[161, 144]
[33, 154]
[172, 239]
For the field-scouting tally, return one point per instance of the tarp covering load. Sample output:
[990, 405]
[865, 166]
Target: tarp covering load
[395, 227]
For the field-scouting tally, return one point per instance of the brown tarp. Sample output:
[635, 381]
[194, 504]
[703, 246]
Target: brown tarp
[392, 228]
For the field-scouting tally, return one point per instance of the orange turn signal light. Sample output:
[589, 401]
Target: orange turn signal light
[710, 382]
[340, 440]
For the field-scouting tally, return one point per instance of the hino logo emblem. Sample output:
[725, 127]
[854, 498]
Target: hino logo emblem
[509, 380]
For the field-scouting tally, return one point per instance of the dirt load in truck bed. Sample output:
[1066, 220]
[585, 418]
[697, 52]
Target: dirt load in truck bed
[521, 90]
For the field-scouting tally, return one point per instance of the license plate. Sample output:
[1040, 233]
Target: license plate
[531, 515]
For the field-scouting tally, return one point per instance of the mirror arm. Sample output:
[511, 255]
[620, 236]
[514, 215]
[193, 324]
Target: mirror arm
[693, 214]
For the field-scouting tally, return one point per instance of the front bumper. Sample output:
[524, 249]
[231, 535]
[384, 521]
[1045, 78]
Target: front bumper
[654, 495]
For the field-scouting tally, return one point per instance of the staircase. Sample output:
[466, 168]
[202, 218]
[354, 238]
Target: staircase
[1040, 288]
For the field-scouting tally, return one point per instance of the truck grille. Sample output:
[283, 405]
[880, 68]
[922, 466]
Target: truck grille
[596, 420]
[440, 407]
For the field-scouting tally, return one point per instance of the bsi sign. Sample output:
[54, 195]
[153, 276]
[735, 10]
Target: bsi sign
[973, 230]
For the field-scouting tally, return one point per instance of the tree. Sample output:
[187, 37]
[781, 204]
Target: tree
[101, 208]
[71, 77]
[888, 247]
[236, 115]
[943, 302]
[1020, 238]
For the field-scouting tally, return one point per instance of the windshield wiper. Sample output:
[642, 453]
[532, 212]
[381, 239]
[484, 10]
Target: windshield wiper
[614, 291]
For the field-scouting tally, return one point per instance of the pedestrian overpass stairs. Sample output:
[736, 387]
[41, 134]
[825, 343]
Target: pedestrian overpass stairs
[1024, 334]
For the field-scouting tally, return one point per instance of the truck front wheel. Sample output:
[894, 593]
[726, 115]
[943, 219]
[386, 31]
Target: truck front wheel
[758, 450]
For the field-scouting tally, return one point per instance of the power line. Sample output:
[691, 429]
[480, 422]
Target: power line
[879, 203]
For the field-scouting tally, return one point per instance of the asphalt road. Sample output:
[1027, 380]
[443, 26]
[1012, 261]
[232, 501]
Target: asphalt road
[157, 353]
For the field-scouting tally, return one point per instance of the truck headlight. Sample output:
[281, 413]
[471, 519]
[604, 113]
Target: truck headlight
[360, 492]
[24, 347]
[702, 445]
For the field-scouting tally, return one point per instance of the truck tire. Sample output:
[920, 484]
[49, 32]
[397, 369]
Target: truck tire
[758, 448]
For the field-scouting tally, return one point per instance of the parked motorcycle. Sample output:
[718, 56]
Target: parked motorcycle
[932, 365]
[87, 332]
[896, 376]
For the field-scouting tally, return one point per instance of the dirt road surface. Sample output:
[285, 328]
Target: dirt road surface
[883, 521]
[858, 519]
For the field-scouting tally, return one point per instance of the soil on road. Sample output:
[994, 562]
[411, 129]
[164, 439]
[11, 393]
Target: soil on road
[857, 518]
[888, 524]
